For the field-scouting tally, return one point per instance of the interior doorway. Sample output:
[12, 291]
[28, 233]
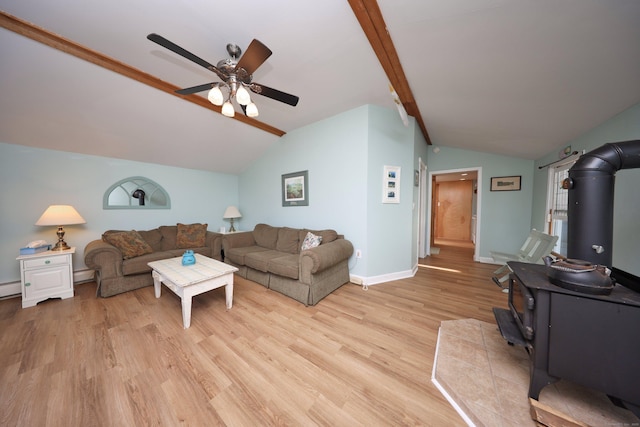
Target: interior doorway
[454, 208]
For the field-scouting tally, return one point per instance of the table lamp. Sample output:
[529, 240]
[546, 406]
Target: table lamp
[59, 215]
[232, 213]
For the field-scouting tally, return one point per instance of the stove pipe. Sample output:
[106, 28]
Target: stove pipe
[591, 190]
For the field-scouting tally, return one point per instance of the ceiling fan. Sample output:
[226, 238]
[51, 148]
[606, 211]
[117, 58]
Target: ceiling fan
[236, 75]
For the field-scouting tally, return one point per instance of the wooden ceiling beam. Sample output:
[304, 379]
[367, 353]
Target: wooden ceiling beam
[372, 22]
[70, 47]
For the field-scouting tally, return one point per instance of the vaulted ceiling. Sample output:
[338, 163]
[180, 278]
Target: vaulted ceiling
[515, 77]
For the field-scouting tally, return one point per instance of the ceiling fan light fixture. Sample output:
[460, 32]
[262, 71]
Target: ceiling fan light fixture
[252, 110]
[242, 96]
[227, 109]
[215, 96]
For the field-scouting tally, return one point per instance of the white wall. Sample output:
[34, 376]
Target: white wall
[31, 179]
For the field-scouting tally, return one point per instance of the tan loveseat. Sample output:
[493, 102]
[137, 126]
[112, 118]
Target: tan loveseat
[273, 257]
[120, 258]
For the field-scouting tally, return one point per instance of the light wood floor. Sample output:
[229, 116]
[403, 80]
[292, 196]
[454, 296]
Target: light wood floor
[357, 358]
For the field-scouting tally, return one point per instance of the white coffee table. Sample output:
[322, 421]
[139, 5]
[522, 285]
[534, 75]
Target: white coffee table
[190, 280]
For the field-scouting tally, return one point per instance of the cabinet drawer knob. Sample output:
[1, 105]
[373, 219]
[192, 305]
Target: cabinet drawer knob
[47, 262]
[27, 284]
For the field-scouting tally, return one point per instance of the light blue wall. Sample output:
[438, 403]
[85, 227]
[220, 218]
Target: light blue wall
[344, 155]
[31, 179]
[390, 226]
[505, 215]
[334, 152]
[626, 228]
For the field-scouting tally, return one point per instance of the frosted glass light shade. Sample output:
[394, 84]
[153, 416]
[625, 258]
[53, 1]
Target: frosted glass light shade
[243, 96]
[215, 96]
[227, 109]
[60, 215]
[252, 110]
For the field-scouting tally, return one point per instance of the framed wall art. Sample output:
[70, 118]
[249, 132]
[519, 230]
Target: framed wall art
[295, 189]
[391, 184]
[505, 183]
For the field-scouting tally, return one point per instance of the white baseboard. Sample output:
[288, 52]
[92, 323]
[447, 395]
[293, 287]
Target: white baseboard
[83, 276]
[487, 260]
[375, 280]
[356, 280]
[12, 289]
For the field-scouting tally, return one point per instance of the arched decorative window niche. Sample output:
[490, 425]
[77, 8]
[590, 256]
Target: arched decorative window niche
[136, 192]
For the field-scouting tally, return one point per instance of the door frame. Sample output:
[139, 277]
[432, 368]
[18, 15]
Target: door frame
[423, 245]
[432, 175]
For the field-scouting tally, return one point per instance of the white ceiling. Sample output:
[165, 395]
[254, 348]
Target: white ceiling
[515, 77]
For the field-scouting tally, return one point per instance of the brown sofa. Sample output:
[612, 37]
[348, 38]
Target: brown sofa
[123, 269]
[273, 257]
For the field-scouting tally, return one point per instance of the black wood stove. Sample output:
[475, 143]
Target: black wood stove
[587, 335]
[591, 340]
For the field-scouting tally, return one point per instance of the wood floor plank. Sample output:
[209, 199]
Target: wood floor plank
[359, 357]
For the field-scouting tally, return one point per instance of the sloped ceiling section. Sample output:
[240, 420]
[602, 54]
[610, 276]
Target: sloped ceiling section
[514, 77]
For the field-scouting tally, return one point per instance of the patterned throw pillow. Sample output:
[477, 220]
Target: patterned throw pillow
[191, 236]
[130, 243]
[311, 241]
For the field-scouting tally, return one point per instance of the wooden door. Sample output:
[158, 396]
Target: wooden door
[453, 206]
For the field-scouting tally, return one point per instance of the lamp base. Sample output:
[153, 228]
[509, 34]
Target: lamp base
[61, 245]
[232, 229]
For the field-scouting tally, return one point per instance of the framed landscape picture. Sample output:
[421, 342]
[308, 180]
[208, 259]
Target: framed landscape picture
[505, 183]
[295, 189]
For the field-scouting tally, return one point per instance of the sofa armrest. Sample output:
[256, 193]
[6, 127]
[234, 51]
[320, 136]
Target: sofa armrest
[240, 239]
[214, 242]
[100, 255]
[324, 256]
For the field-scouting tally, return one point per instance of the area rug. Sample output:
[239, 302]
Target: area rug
[487, 381]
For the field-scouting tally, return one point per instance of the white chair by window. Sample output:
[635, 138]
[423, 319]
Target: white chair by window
[537, 246]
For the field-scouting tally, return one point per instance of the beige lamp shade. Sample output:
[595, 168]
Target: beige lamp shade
[232, 212]
[59, 215]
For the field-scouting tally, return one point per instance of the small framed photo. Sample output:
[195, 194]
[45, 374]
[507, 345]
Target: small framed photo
[506, 183]
[295, 189]
[391, 184]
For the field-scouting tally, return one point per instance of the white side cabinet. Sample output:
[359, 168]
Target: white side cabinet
[46, 275]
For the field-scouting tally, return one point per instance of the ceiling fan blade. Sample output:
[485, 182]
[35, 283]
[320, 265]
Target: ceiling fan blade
[274, 94]
[254, 56]
[195, 89]
[156, 38]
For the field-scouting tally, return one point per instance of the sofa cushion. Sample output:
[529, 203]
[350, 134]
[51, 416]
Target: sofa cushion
[237, 255]
[287, 266]
[139, 265]
[191, 235]
[153, 238]
[328, 236]
[169, 233]
[260, 260]
[130, 243]
[288, 240]
[265, 236]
